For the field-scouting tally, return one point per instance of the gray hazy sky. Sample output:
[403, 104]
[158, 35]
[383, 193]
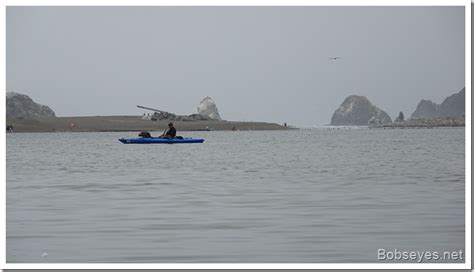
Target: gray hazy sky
[257, 63]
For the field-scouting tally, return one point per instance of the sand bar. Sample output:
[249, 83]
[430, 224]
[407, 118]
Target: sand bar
[128, 123]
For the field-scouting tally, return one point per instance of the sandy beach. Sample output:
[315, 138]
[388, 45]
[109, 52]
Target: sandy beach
[128, 123]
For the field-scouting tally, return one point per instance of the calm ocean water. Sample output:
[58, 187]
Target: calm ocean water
[247, 196]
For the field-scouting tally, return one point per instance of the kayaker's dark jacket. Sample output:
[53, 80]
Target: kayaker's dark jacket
[171, 132]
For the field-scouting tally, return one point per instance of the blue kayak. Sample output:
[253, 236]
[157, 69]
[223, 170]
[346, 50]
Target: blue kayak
[157, 140]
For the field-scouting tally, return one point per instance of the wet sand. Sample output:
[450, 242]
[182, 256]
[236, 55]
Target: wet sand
[128, 123]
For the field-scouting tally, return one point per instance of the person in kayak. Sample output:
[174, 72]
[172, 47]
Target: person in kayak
[170, 133]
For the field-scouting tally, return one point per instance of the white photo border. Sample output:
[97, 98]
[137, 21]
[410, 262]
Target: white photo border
[465, 3]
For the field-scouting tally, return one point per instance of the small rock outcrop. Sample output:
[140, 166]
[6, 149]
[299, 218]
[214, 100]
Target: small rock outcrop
[358, 111]
[400, 118]
[452, 106]
[22, 106]
[208, 108]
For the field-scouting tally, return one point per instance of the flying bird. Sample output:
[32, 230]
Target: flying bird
[335, 58]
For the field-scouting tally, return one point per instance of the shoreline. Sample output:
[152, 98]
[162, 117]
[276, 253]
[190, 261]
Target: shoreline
[129, 123]
[136, 123]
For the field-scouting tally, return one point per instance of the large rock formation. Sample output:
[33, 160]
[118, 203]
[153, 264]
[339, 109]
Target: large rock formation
[426, 109]
[208, 108]
[22, 106]
[358, 111]
[452, 106]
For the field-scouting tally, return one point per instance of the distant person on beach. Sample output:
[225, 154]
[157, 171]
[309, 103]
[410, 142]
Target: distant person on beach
[170, 133]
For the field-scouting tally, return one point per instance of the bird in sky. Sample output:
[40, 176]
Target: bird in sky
[335, 58]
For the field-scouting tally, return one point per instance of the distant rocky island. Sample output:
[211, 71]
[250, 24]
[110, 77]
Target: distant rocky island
[359, 111]
[450, 113]
[452, 106]
[23, 107]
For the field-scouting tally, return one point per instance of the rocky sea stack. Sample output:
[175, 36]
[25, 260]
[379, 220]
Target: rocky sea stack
[426, 109]
[22, 106]
[452, 106]
[208, 108]
[358, 111]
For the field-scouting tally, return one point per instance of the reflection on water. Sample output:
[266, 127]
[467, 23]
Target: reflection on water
[247, 196]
